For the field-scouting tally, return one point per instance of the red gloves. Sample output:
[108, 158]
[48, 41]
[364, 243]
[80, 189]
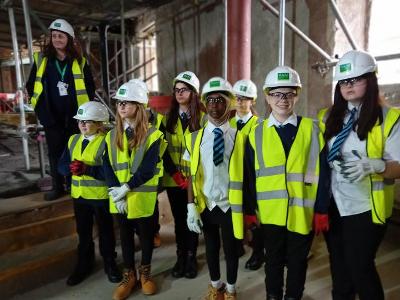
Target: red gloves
[250, 221]
[320, 223]
[77, 167]
[180, 180]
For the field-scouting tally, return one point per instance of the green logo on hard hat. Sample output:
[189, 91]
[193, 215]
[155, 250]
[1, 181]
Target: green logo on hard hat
[80, 111]
[215, 83]
[243, 88]
[122, 91]
[57, 24]
[345, 68]
[186, 76]
[283, 76]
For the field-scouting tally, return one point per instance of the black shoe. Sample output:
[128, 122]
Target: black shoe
[274, 297]
[79, 274]
[255, 261]
[111, 269]
[191, 265]
[53, 195]
[179, 268]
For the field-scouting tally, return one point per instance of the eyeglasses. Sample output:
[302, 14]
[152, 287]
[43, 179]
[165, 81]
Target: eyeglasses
[215, 100]
[123, 103]
[352, 81]
[282, 96]
[84, 122]
[243, 98]
[181, 90]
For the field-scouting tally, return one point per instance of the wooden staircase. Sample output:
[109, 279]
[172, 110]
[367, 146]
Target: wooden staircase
[37, 242]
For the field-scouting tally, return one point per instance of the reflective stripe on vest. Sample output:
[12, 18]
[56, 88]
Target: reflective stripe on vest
[86, 186]
[286, 187]
[80, 88]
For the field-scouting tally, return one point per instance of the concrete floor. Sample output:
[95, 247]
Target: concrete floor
[250, 284]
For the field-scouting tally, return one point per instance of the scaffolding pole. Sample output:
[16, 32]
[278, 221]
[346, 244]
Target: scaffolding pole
[282, 9]
[225, 56]
[123, 41]
[19, 94]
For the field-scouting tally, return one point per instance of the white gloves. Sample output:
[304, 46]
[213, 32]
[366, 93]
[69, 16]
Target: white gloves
[117, 193]
[121, 206]
[193, 218]
[355, 171]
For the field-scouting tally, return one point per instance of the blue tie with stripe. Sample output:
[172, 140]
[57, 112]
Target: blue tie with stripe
[334, 152]
[218, 147]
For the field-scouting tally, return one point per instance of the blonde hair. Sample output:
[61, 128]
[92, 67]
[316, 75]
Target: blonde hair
[141, 128]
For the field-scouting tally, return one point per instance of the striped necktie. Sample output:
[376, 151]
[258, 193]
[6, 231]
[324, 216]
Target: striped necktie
[218, 147]
[239, 124]
[334, 152]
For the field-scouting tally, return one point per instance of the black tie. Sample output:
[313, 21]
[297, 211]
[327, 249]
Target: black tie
[129, 133]
[85, 142]
[239, 124]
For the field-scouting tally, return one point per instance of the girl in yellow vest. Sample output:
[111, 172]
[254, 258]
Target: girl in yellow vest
[283, 164]
[215, 153]
[59, 82]
[83, 160]
[185, 116]
[363, 137]
[132, 155]
[246, 118]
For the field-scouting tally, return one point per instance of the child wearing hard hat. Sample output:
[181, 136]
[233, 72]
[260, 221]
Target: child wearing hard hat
[285, 183]
[83, 160]
[133, 150]
[215, 153]
[60, 80]
[246, 118]
[363, 136]
[184, 117]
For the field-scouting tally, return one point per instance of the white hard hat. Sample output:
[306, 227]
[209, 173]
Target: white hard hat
[133, 91]
[215, 85]
[354, 64]
[245, 88]
[62, 25]
[92, 111]
[141, 83]
[189, 78]
[282, 76]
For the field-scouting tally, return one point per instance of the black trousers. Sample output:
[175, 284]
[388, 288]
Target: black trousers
[57, 141]
[186, 240]
[127, 233]
[284, 247]
[85, 213]
[213, 221]
[352, 243]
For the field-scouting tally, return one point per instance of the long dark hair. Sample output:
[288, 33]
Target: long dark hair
[71, 50]
[195, 109]
[370, 113]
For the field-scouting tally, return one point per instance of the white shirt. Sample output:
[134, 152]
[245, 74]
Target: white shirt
[89, 137]
[245, 118]
[354, 198]
[272, 121]
[216, 178]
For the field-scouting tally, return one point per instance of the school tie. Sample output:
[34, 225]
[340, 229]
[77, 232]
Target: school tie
[129, 133]
[85, 142]
[334, 152]
[239, 124]
[184, 117]
[218, 147]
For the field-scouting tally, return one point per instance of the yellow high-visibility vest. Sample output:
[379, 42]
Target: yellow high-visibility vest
[287, 187]
[382, 190]
[77, 72]
[235, 189]
[86, 186]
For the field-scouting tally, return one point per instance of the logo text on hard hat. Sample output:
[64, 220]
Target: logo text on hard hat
[243, 88]
[283, 76]
[57, 24]
[80, 111]
[215, 83]
[186, 76]
[122, 91]
[345, 68]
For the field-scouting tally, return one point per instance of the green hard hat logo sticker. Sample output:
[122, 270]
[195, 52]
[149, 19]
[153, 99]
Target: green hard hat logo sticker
[80, 111]
[345, 68]
[186, 76]
[283, 76]
[57, 24]
[215, 83]
[243, 88]
[122, 92]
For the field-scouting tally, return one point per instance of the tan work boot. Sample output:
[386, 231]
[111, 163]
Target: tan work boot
[229, 296]
[157, 240]
[214, 293]
[125, 287]
[148, 285]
